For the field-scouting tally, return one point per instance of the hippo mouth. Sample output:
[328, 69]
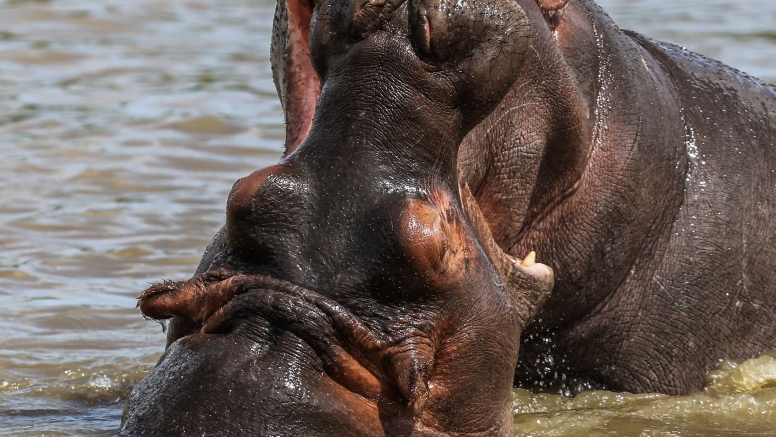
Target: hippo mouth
[412, 319]
[391, 371]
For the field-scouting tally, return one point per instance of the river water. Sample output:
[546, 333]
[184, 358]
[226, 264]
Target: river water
[123, 125]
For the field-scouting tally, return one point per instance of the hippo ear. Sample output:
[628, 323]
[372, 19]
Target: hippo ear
[528, 283]
[297, 84]
[482, 41]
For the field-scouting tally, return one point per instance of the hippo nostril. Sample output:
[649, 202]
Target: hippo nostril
[423, 235]
[245, 190]
[429, 29]
[261, 213]
[427, 26]
[422, 32]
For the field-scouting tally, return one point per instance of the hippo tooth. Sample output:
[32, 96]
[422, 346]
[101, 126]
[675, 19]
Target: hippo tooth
[529, 259]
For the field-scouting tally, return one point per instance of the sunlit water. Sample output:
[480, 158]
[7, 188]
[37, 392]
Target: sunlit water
[123, 125]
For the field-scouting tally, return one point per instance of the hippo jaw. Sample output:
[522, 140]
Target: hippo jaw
[349, 352]
[412, 364]
[360, 267]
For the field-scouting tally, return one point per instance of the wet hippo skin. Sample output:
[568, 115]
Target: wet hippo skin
[382, 280]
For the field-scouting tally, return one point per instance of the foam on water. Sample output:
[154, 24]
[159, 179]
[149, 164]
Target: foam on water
[739, 400]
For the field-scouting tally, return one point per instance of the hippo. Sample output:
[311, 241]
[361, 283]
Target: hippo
[383, 279]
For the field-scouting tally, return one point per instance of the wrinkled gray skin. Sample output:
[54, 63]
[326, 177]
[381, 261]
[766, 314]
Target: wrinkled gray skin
[442, 150]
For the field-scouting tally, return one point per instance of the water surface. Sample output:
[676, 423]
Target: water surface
[122, 128]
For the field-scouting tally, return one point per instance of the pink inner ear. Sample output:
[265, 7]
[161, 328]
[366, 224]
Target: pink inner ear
[303, 85]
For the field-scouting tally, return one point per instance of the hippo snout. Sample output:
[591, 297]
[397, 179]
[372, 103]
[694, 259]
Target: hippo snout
[355, 288]
[351, 354]
[370, 313]
[239, 385]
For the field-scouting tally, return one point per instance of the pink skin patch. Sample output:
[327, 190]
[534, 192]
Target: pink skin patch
[303, 85]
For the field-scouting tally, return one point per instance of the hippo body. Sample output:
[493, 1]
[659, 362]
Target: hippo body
[688, 198]
[380, 280]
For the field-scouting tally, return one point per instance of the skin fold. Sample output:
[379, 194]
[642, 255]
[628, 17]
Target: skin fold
[380, 279]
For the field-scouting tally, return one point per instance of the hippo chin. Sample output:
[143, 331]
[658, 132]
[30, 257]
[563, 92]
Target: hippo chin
[381, 280]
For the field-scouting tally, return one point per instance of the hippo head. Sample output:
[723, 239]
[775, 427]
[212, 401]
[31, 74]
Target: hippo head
[355, 288]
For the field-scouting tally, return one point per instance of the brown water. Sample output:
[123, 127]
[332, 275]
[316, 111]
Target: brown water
[123, 125]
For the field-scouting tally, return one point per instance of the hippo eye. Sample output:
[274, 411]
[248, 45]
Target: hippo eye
[423, 235]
